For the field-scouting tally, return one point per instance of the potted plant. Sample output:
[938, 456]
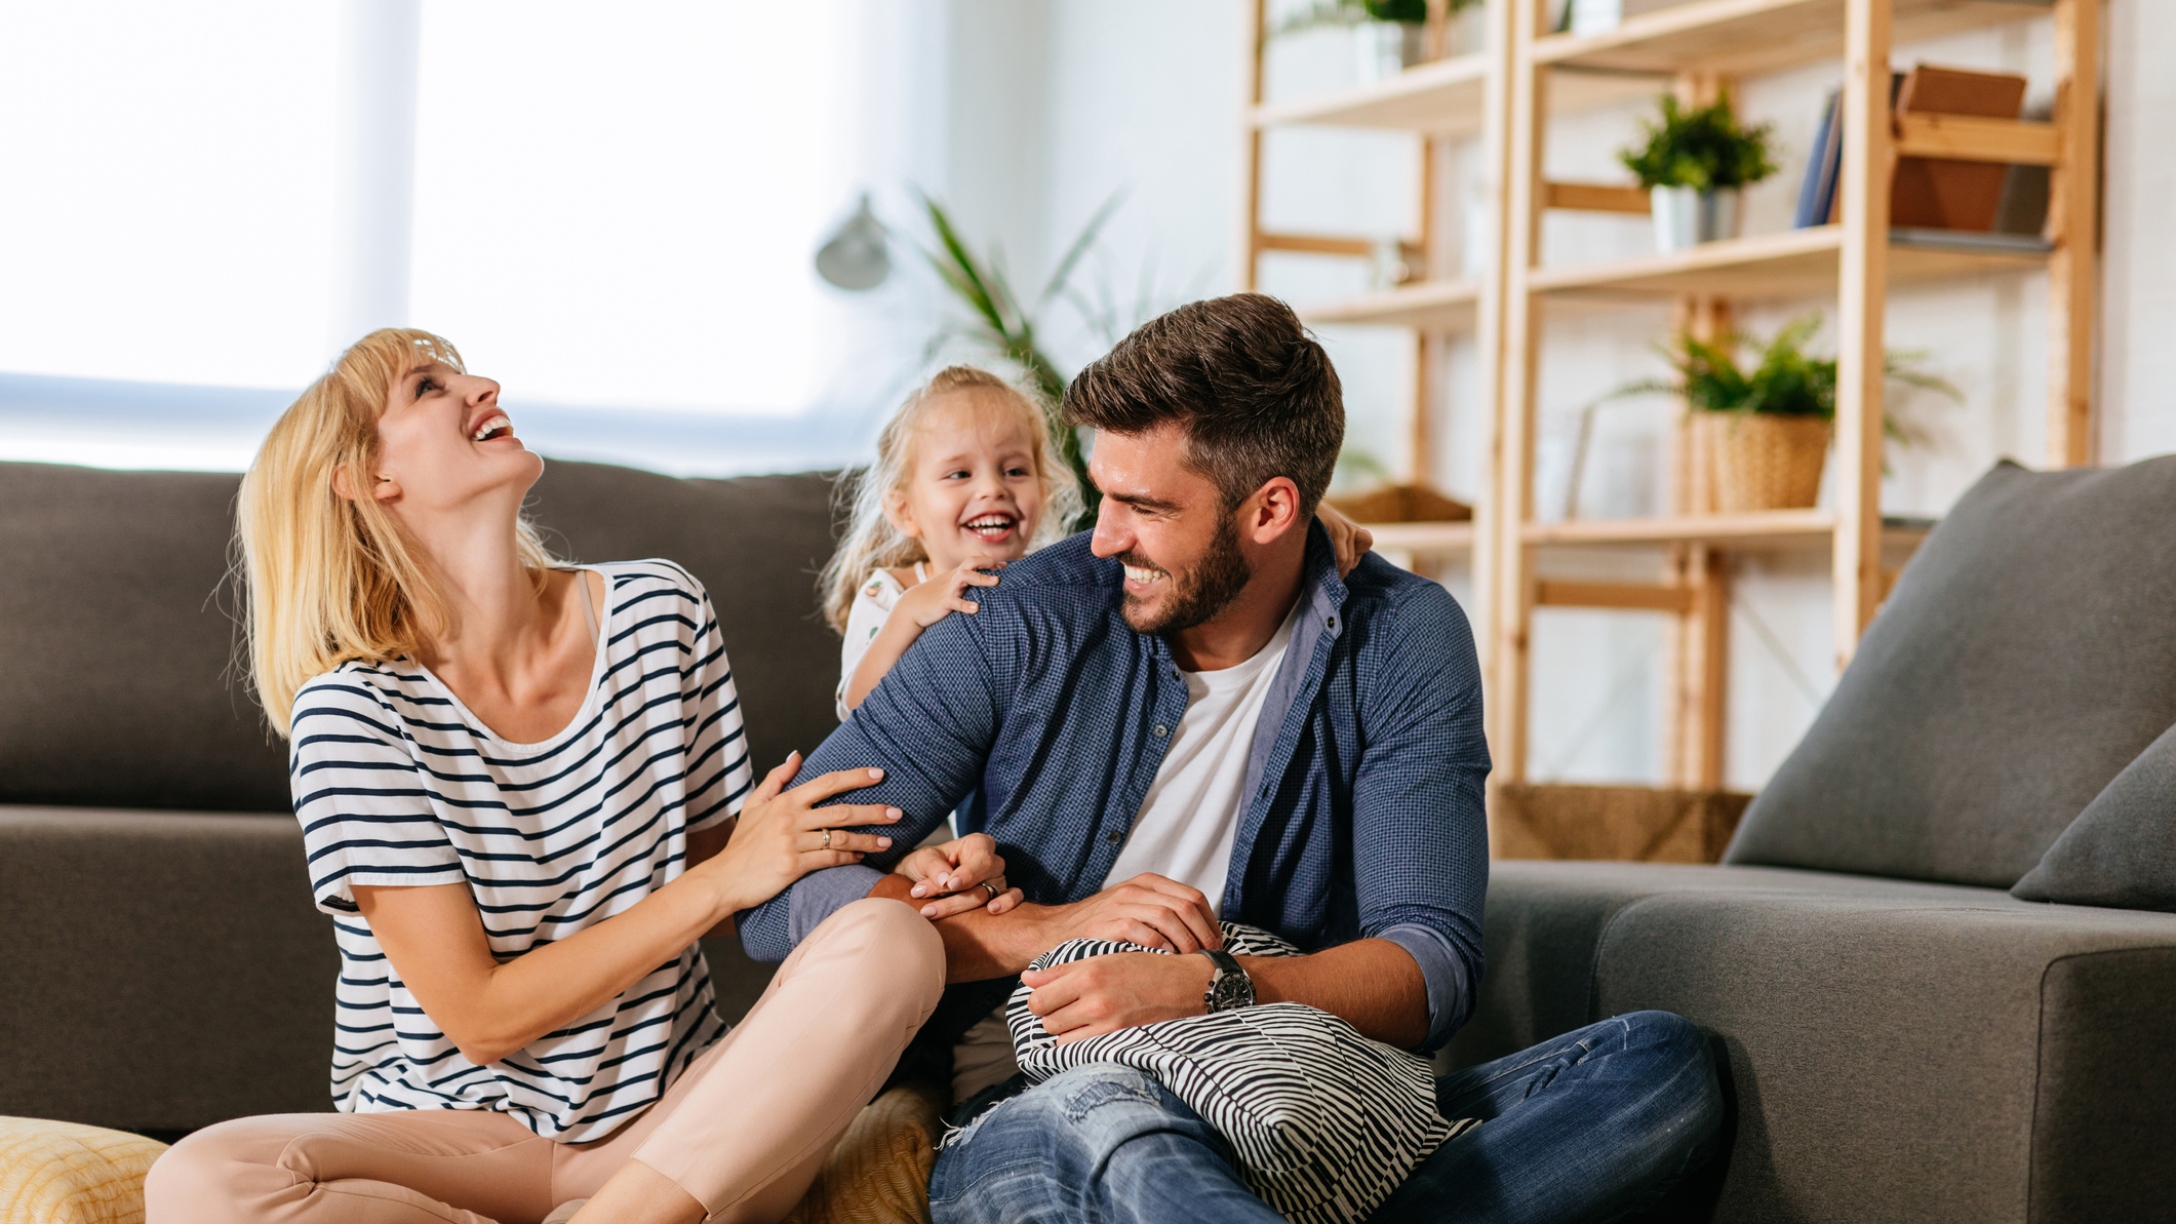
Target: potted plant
[1762, 433]
[1693, 164]
[1390, 34]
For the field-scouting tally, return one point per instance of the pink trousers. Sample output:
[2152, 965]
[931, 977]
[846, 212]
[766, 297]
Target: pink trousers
[743, 1130]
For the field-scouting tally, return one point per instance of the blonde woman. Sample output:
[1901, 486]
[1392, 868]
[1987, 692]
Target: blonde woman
[525, 794]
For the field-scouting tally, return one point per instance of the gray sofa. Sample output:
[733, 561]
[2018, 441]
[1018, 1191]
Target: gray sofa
[1896, 1048]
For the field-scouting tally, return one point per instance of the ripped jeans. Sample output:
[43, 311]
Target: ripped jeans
[1592, 1126]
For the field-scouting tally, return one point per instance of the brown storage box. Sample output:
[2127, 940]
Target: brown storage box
[1620, 823]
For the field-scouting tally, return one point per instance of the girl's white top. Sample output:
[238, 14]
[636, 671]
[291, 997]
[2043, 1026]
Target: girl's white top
[873, 605]
[397, 783]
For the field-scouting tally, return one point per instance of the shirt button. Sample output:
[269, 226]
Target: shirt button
[1331, 622]
[1161, 730]
[1114, 838]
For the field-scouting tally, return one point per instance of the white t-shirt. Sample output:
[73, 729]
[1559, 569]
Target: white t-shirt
[397, 783]
[872, 606]
[1186, 825]
[1190, 817]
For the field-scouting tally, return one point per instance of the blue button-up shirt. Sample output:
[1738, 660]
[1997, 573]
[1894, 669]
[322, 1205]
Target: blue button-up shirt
[1363, 812]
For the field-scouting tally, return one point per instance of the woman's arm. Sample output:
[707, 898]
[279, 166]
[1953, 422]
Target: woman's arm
[435, 938]
[923, 605]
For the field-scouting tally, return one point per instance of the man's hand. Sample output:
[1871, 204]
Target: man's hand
[961, 875]
[1148, 910]
[1103, 994]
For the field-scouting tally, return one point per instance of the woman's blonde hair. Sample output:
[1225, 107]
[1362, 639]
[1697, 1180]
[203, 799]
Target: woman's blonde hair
[331, 578]
[873, 543]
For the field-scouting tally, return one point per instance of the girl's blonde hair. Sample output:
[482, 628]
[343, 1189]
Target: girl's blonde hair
[873, 543]
[331, 578]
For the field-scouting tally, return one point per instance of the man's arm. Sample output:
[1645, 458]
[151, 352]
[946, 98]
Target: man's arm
[929, 726]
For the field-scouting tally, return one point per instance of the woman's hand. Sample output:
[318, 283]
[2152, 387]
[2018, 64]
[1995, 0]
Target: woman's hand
[960, 875]
[782, 835]
[943, 594]
[1348, 539]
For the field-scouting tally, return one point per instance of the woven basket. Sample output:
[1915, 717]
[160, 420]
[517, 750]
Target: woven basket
[1764, 462]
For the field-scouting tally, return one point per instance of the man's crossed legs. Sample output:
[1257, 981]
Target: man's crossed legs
[1595, 1125]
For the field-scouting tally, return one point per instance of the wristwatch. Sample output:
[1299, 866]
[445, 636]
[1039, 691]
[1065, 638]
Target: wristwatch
[1230, 989]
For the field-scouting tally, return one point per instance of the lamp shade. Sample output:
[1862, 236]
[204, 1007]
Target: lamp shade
[856, 257]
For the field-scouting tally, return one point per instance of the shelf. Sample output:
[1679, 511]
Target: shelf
[1437, 305]
[1748, 530]
[1747, 37]
[1443, 97]
[1422, 539]
[1794, 263]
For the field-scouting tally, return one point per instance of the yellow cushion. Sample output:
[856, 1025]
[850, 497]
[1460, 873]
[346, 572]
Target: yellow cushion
[62, 1173]
[878, 1173]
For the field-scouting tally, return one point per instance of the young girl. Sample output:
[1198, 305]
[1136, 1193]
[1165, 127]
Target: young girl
[966, 479]
[525, 796]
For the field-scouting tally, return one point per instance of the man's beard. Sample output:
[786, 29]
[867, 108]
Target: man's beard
[1200, 593]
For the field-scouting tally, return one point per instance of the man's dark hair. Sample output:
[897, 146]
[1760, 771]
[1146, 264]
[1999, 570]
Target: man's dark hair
[1254, 393]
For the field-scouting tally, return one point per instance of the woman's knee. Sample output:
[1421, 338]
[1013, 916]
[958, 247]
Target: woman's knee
[910, 966]
[211, 1173]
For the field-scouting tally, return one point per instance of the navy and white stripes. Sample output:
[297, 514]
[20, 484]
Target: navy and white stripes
[396, 783]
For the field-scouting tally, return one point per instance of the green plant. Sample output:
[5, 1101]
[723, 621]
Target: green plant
[1703, 147]
[998, 320]
[1785, 381]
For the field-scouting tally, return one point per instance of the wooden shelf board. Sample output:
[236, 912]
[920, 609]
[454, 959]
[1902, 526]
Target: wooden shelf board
[1794, 263]
[1750, 529]
[1748, 37]
[1438, 305]
[1427, 539]
[1443, 97]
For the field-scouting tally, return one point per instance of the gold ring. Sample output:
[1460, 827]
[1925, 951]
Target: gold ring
[827, 839]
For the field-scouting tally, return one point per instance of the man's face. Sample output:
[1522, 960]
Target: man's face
[1167, 524]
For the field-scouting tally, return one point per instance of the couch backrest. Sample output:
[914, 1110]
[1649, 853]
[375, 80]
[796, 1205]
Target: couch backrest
[118, 680]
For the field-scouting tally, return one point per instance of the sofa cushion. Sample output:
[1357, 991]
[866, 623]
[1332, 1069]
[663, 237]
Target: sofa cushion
[63, 1173]
[2121, 850]
[2026, 655]
[121, 688]
[1895, 1049]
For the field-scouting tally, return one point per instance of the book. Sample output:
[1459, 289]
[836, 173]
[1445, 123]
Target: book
[1823, 158]
[1941, 193]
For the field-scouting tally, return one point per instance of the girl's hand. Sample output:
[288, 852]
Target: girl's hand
[782, 835]
[944, 594]
[1348, 539]
[962, 875]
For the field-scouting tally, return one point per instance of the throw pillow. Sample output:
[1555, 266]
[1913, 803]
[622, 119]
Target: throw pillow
[2025, 656]
[1323, 1122]
[63, 1173]
[2121, 850]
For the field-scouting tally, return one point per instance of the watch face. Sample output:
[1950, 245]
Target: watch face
[1233, 990]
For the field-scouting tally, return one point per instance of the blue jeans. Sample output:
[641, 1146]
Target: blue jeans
[1592, 1126]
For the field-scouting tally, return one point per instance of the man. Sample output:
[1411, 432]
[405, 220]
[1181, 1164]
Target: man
[1190, 703]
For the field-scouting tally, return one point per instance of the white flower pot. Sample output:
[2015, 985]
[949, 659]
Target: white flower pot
[1687, 216]
[1386, 48]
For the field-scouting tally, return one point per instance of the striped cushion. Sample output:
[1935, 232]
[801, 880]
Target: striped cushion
[1323, 1122]
[63, 1173]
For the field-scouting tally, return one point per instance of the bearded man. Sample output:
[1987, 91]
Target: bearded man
[1186, 715]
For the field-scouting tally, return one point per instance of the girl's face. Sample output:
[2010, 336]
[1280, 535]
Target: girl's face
[971, 486]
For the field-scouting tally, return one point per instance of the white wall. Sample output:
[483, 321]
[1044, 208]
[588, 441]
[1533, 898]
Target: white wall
[1145, 95]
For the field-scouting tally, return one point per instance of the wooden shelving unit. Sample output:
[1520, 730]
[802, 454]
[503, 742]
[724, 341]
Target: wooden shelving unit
[1697, 49]
[1508, 96]
[1445, 99]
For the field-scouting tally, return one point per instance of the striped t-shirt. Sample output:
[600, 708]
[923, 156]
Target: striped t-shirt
[397, 783]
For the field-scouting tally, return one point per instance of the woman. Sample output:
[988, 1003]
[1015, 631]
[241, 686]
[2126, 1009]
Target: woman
[518, 784]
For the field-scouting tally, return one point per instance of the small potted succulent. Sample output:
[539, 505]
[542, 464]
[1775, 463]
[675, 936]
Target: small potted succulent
[1763, 433]
[1693, 164]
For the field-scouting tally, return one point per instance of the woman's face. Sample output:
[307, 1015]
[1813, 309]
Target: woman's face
[972, 487]
[444, 444]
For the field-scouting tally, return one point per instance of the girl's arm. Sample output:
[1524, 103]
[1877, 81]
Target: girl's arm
[435, 938]
[924, 604]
